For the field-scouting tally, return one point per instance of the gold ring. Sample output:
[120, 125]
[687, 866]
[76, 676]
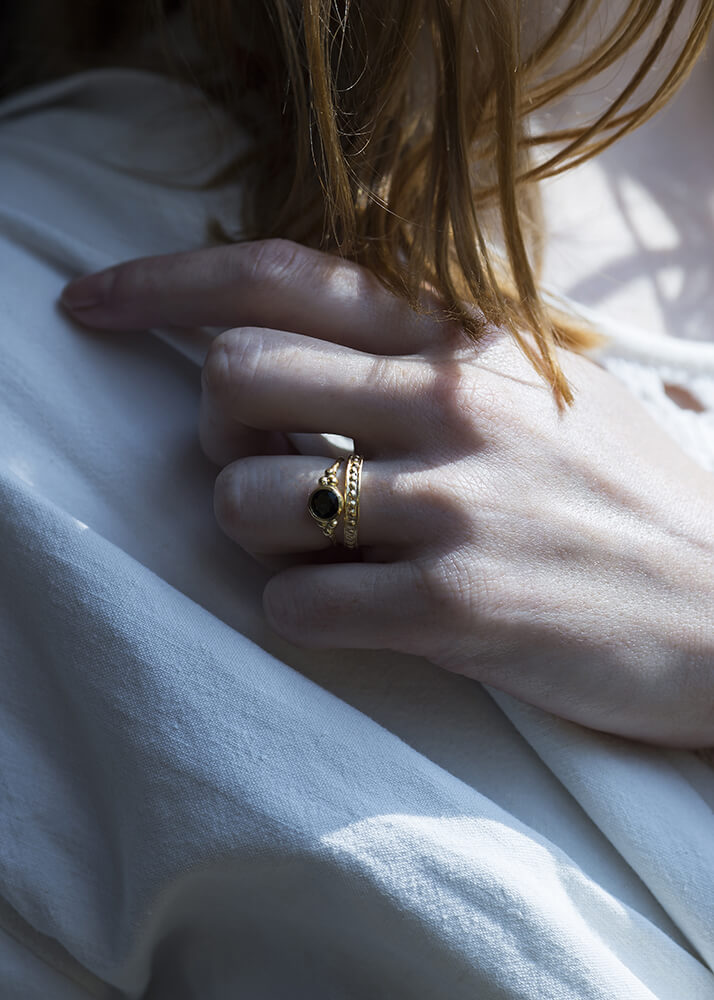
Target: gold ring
[326, 502]
[353, 481]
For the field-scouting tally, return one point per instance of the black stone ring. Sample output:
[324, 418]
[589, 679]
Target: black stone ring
[326, 503]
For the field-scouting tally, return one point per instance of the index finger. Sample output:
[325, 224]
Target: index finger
[269, 283]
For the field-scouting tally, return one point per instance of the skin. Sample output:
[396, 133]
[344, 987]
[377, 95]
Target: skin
[566, 558]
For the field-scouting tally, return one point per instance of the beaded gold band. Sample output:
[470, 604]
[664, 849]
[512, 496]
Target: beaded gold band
[353, 480]
[326, 502]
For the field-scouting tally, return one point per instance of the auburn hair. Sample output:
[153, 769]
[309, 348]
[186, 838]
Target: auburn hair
[404, 134]
[408, 135]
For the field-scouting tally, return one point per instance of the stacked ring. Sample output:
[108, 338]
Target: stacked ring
[326, 502]
[353, 480]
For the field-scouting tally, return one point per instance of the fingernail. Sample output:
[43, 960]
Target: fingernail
[89, 291]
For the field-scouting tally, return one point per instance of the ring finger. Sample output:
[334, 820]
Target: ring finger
[262, 503]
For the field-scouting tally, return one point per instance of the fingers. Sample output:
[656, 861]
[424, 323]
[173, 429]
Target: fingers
[348, 605]
[224, 439]
[270, 380]
[270, 283]
[262, 503]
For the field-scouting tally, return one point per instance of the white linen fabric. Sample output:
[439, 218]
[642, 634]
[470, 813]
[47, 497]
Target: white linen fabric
[189, 806]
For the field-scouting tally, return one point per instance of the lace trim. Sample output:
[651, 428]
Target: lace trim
[647, 364]
[692, 430]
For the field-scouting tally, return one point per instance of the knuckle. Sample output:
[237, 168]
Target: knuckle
[213, 371]
[461, 404]
[128, 281]
[436, 637]
[379, 375]
[227, 500]
[387, 377]
[273, 260]
[452, 600]
[233, 360]
[453, 388]
[236, 490]
[432, 588]
[477, 397]
[285, 609]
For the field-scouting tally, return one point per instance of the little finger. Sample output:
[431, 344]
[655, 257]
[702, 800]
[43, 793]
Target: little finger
[348, 605]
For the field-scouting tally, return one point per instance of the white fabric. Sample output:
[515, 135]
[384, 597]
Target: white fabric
[190, 807]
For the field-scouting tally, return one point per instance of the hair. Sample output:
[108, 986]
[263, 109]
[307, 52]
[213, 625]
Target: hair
[407, 134]
[403, 134]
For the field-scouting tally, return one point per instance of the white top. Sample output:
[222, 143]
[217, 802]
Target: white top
[189, 806]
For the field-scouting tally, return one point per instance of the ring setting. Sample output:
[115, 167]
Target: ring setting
[326, 503]
[353, 480]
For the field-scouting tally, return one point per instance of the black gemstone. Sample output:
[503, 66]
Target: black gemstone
[324, 504]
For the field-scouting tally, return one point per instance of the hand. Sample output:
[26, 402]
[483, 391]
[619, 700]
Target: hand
[563, 557]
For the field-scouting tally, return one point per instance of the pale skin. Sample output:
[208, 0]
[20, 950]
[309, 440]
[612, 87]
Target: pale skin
[566, 558]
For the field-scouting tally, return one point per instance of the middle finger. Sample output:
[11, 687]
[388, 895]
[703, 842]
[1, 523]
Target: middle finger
[272, 380]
